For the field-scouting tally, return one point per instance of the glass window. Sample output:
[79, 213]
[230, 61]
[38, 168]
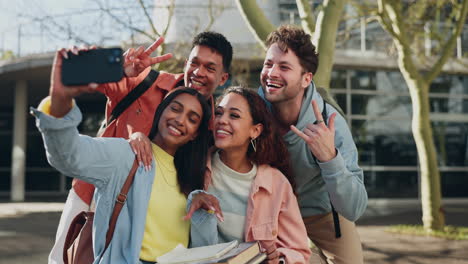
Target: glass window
[391, 184]
[455, 105]
[42, 180]
[349, 34]
[90, 123]
[377, 39]
[384, 142]
[454, 184]
[35, 151]
[341, 101]
[381, 105]
[338, 79]
[6, 120]
[451, 84]
[464, 41]
[6, 148]
[451, 140]
[441, 84]
[5, 179]
[363, 80]
[93, 110]
[391, 82]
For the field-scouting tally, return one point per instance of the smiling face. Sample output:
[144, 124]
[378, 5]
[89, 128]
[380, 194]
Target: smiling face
[233, 124]
[204, 70]
[282, 77]
[179, 123]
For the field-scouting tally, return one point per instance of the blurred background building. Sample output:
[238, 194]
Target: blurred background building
[366, 82]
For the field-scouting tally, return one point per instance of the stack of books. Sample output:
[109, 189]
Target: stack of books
[224, 253]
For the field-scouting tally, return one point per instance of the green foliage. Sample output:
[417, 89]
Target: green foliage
[7, 55]
[448, 232]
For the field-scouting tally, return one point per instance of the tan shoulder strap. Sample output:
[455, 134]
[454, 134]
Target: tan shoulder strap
[119, 202]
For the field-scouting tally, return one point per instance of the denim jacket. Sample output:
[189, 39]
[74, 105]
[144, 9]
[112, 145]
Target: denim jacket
[272, 216]
[105, 163]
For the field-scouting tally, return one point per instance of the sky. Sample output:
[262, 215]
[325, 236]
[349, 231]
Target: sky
[19, 14]
[22, 32]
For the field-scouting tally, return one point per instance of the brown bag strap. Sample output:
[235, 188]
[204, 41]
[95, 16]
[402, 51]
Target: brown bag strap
[119, 202]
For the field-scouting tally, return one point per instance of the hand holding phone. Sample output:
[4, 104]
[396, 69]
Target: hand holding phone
[93, 66]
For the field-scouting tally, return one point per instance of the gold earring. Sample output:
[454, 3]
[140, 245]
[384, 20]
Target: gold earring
[254, 144]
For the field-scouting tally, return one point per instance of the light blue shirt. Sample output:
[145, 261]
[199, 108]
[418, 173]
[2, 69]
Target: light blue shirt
[105, 163]
[340, 180]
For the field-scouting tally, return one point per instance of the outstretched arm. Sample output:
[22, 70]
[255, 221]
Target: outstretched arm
[90, 159]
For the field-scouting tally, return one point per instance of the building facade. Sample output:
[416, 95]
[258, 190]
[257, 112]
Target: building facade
[366, 83]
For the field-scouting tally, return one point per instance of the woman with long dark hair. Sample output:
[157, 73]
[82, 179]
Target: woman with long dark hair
[157, 198]
[248, 183]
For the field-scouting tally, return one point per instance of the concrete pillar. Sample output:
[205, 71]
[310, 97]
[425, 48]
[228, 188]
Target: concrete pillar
[18, 161]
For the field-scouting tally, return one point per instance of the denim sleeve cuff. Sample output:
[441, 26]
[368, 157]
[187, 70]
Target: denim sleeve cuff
[203, 231]
[46, 122]
[332, 166]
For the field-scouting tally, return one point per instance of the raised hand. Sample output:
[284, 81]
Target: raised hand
[141, 146]
[207, 202]
[60, 95]
[319, 137]
[136, 60]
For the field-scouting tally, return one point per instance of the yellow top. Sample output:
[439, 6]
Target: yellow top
[44, 105]
[164, 227]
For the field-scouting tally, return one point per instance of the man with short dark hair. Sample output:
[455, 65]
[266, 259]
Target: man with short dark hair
[323, 154]
[206, 68]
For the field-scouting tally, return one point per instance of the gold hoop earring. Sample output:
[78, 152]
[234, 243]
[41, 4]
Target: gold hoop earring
[253, 141]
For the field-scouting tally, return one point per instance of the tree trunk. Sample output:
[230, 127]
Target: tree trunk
[256, 20]
[431, 197]
[325, 39]
[327, 22]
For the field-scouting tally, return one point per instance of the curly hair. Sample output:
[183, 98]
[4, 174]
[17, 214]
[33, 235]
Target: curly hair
[271, 148]
[295, 39]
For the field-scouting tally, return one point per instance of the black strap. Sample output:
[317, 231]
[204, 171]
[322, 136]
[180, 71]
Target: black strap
[133, 95]
[336, 219]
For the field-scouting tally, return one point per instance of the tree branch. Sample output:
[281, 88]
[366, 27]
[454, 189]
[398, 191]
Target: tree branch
[170, 16]
[211, 16]
[148, 17]
[447, 48]
[256, 20]
[123, 23]
[306, 15]
[385, 19]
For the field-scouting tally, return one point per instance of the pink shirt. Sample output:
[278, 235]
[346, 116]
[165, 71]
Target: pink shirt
[273, 214]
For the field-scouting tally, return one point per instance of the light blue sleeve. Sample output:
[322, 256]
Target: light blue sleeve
[93, 160]
[203, 225]
[342, 175]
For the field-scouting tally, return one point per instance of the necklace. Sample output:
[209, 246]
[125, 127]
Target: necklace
[164, 168]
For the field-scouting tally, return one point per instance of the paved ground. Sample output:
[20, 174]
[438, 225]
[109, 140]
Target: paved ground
[27, 232]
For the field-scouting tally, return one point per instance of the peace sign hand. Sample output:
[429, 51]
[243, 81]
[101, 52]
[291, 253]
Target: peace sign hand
[136, 60]
[319, 137]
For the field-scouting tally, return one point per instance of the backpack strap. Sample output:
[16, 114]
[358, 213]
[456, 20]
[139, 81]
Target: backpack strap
[336, 219]
[133, 95]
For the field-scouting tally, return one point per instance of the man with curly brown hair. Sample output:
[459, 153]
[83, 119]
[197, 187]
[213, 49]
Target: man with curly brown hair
[323, 154]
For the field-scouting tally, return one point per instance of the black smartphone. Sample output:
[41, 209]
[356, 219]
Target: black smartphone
[96, 65]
